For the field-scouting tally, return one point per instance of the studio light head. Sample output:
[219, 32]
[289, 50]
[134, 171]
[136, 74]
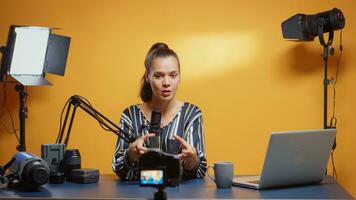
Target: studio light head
[30, 52]
[302, 27]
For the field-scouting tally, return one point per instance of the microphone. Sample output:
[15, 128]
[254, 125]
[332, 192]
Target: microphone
[155, 122]
[155, 127]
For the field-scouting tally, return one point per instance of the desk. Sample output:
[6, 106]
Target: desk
[109, 187]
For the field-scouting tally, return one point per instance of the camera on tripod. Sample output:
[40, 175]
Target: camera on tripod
[159, 169]
[154, 177]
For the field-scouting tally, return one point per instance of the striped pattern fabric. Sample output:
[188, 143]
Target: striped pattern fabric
[188, 123]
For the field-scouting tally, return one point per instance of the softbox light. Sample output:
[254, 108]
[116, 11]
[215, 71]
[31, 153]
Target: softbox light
[33, 51]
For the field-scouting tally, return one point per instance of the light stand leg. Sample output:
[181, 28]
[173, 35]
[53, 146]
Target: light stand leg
[22, 115]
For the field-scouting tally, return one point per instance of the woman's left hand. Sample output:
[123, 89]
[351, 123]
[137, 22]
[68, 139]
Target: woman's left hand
[188, 154]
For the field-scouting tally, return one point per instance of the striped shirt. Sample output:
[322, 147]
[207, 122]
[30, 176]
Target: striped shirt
[188, 124]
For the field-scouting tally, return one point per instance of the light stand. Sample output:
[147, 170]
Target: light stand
[321, 23]
[302, 27]
[22, 115]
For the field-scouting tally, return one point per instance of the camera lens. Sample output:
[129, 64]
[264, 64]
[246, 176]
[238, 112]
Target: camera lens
[35, 173]
[71, 161]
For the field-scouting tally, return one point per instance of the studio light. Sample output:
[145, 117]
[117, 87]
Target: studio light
[302, 27]
[30, 52]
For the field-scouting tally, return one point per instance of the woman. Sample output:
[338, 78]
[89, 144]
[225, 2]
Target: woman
[180, 121]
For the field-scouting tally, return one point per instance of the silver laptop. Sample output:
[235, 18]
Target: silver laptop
[293, 158]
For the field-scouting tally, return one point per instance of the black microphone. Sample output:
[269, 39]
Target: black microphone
[155, 122]
[155, 127]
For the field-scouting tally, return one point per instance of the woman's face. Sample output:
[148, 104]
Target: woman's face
[164, 78]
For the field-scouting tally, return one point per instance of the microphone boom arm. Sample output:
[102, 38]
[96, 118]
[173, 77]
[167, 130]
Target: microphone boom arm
[77, 101]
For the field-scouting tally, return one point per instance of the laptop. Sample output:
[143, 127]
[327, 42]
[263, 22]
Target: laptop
[293, 158]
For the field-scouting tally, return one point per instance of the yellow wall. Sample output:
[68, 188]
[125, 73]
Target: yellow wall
[235, 65]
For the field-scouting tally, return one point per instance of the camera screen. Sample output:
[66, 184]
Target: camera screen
[151, 177]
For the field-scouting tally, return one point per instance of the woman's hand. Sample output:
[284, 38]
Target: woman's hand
[188, 155]
[136, 149]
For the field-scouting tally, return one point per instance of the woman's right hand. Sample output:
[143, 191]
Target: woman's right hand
[136, 149]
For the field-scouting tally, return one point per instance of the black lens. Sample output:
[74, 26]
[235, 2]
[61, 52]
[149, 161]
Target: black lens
[35, 173]
[71, 161]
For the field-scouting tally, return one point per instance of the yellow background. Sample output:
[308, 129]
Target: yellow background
[235, 66]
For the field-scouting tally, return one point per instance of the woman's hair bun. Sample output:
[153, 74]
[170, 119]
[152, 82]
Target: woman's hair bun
[158, 45]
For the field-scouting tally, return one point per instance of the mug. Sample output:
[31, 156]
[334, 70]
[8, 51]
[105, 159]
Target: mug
[224, 172]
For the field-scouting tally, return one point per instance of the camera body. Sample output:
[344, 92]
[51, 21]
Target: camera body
[159, 169]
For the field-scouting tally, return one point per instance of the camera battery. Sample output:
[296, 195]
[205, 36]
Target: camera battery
[84, 175]
[53, 154]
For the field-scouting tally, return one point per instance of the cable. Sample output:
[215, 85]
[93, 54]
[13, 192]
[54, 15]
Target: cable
[10, 132]
[96, 116]
[4, 100]
[333, 165]
[333, 120]
[26, 94]
[5, 108]
[60, 120]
